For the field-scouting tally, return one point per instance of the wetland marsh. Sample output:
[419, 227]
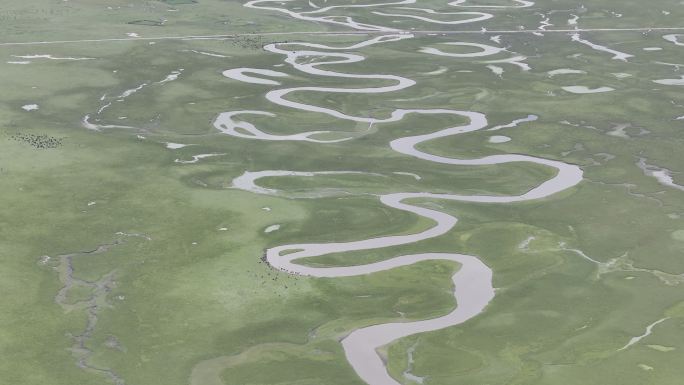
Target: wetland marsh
[310, 192]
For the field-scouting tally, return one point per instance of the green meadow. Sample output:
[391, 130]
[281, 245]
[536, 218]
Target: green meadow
[126, 261]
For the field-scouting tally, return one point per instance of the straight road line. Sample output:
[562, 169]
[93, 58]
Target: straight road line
[329, 33]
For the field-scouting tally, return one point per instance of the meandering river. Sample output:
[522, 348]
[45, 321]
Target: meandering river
[473, 288]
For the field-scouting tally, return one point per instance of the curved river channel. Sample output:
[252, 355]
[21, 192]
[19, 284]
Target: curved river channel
[473, 288]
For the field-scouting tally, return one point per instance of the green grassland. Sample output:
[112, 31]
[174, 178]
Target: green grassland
[154, 287]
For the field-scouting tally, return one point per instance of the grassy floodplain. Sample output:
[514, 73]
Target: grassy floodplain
[126, 260]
